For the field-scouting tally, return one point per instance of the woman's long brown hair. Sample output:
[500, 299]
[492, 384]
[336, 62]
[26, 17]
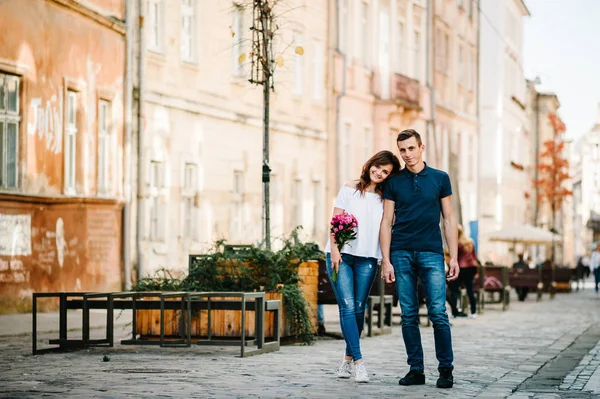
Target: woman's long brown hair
[382, 158]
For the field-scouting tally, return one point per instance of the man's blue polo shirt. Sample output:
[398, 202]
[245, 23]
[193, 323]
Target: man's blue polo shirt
[417, 200]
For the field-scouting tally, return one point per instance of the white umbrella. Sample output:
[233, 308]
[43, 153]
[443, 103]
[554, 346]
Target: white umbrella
[524, 233]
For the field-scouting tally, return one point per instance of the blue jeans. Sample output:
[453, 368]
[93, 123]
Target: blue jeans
[429, 268]
[355, 278]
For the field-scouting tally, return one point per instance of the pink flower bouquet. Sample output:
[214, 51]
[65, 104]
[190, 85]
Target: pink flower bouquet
[343, 229]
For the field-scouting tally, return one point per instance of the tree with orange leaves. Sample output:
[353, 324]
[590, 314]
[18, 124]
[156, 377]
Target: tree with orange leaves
[553, 170]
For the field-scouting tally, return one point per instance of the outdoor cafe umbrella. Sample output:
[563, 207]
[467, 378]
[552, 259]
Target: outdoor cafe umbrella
[525, 234]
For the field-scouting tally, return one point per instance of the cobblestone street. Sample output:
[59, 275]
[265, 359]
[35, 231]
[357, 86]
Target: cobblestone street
[547, 349]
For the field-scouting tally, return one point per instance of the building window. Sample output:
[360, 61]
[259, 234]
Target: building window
[298, 66]
[318, 74]
[157, 214]
[317, 209]
[9, 130]
[103, 145]
[71, 143]
[400, 54]
[365, 32]
[297, 203]
[237, 220]
[418, 55]
[596, 152]
[188, 30]
[461, 65]
[459, 3]
[343, 24]
[346, 155]
[190, 187]
[238, 44]
[367, 144]
[154, 17]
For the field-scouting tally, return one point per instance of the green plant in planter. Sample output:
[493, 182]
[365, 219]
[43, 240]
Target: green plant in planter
[251, 269]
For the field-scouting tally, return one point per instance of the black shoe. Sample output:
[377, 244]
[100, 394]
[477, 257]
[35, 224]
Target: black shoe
[414, 377]
[446, 379]
[321, 330]
[459, 314]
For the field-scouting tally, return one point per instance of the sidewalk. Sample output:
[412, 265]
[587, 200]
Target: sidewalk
[547, 349]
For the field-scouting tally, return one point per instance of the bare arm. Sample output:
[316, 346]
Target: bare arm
[385, 240]
[451, 234]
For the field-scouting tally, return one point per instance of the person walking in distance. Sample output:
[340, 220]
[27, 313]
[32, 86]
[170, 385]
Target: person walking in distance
[467, 261]
[595, 266]
[411, 247]
[355, 264]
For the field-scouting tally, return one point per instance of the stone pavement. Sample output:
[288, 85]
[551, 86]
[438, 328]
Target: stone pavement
[547, 349]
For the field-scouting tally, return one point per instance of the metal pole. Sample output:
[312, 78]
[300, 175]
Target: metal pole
[266, 170]
[140, 145]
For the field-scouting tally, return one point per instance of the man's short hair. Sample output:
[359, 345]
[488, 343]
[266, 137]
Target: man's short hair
[408, 133]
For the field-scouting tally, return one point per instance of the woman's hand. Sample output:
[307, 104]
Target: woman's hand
[336, 259]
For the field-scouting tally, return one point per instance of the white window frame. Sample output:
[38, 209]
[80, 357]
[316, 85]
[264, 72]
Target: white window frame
[155, 17]
[188, 31]
[318, 71]
[297, 196]
[347, 152]
[238, 40]
[344, 25]
[70, 154]
[400, 50]
[237, 218]
[8, 117]
[364, 28]
[156, 211]
[317, 208]
[418, 54]
[460, 78]
[104, 118]
[188, 194]
[367, 143]
[298, 88]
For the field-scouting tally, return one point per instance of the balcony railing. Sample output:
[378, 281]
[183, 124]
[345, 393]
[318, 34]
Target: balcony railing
[402, 89]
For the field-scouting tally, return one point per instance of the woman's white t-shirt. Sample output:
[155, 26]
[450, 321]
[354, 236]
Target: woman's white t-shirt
[368, 210]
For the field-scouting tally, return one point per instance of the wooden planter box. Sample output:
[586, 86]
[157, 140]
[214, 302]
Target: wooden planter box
[227, 323]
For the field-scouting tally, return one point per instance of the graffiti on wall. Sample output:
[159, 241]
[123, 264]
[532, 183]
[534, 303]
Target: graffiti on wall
[15, 235]
[47, 122]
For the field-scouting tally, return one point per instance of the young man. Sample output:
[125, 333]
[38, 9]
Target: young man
[412, 247]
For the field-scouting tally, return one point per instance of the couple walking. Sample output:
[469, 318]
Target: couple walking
[398, 223]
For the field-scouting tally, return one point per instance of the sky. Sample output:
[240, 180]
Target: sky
[562, 47]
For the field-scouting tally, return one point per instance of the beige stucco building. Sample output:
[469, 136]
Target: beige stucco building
[201, 128]
[504, 142]
[384, 79]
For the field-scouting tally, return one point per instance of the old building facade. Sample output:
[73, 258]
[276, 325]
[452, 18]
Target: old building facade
[200, 148]
[389, 73]
[505, 157]
[454, 134]
[585, 163]
[62, 140]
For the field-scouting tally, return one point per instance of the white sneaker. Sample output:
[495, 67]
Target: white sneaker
[472, 315]
[345, 370]
[361, 373]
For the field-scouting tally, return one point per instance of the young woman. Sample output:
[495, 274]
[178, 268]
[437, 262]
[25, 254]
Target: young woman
[467, 260]
[356, 265]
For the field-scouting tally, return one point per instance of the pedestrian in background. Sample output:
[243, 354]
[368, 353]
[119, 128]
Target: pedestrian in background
[411, 246]
[356, 263]
[467, 261]
[595, 266]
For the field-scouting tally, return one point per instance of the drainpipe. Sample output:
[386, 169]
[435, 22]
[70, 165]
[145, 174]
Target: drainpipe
[127, 153]
[537, 151]
[429, 83]
[339, 97]
[140, 144]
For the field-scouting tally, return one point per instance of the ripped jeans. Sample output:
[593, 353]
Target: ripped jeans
[355, 278]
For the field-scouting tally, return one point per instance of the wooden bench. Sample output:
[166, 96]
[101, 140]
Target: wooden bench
[184, 302]
[526, 278]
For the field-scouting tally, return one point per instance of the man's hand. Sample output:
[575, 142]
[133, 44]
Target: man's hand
[387, 271]
[453, 271]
